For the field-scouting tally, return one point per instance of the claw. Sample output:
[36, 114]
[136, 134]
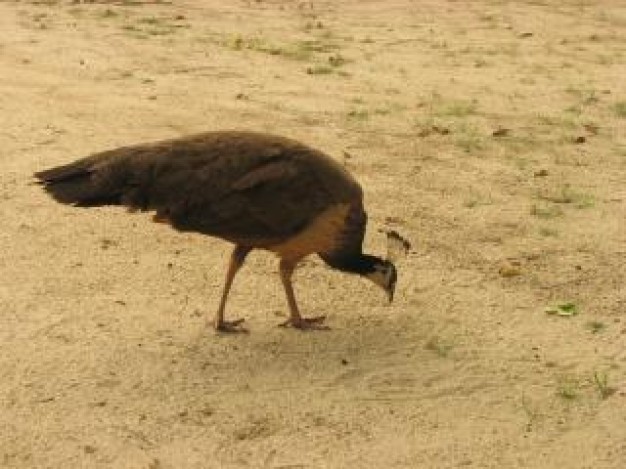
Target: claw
[231, 327]
[306, 324]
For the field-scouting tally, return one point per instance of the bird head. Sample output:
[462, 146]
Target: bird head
[384, 273]
[385, 276]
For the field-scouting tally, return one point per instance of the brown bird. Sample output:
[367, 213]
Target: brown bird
[255, 190]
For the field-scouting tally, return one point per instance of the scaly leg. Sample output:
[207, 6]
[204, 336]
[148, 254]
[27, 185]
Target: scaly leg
[236, 261]
[295, 319]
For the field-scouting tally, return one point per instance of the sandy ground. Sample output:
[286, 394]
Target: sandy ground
[104, 358]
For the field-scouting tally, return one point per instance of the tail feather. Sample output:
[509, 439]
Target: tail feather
[78, 184]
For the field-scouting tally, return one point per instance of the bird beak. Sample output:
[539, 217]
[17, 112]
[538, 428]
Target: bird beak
[390, 293]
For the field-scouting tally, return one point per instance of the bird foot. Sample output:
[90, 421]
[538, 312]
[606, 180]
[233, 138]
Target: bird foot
[231, 327]
[306, 324]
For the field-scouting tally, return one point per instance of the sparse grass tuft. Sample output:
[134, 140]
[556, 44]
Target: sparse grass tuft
[561, 121]
[585, 96]
[595, 326]
[318, 46]
[567, 309]
[458, 109]
[441, 347]
[548, 232]
[567, 389]
[300, 50]
[337, 60]
[319, 70]
[152, 20]
[601, 381]
[532, 414]
[150, 26]
[108, 13]
[477, 200]
[358, 115]
[468, 139]
[620, 109]
[546, 212]
[567, 195]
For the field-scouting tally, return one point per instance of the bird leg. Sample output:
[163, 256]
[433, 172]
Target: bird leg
[237, 259]
[295, 319]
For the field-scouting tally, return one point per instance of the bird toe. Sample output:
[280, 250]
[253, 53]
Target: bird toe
[307, 324]
[231, 327]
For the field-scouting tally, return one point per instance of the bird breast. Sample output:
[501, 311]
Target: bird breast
[323, 235]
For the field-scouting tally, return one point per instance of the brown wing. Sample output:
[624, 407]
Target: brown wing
[263, 205]
[236, 185]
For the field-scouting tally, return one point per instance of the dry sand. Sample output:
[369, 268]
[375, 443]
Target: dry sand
[104, 358]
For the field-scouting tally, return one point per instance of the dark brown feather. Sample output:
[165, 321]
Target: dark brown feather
[236, 185]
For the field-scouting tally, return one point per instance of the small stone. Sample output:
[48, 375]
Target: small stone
[440, 130]
[510, 269]
[501, 132]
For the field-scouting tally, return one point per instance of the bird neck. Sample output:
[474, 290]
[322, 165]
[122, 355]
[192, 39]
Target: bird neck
[360, 263]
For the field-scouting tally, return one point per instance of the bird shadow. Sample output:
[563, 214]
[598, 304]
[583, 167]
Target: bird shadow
[273, 356]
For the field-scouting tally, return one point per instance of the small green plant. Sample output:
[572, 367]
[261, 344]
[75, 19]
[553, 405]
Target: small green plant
[238, 42]
[152, 20]
[108, 13]
[301, 50]
[388, 108]
[476, 200]
[458, 108]
[532, 414]
[563, 309]
[567, 195]
[601, 381]
[337, 60]
[595, 326]
[548, 232]
[358, 115]
[585, 96]
[567, 122]
[620, 109]
[603, 59]
[546, 212]
[567, 389]
[149, 26]
[468, 139]
[319, 70]
[581, 200]
[131, 28]
[441, 347]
